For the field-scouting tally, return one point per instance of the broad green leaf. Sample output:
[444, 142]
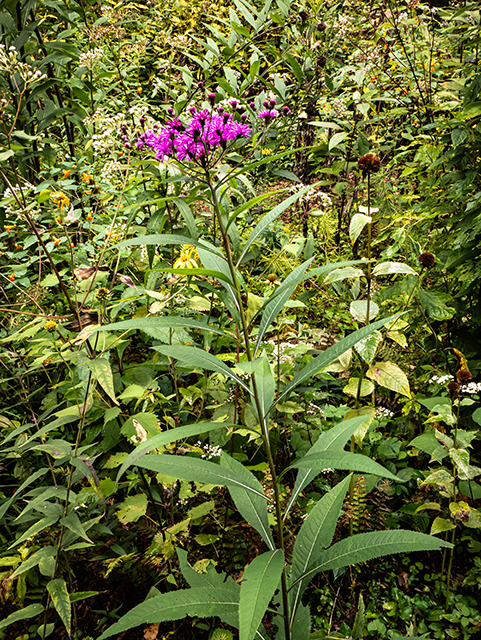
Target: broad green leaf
[201, 359]
[251, 506]
[391, 376]
[72, 522]
[334, 439]
[435, 304]
[166, 438]
[102, 372]
[387, 268]
[258, 584]
[30, 611]
[440, 525]
[343, 460]
[358, 310]
[270, 217]
[165, 238]
[316, 533]
[367, 348]
[341, 274]
[35, 529]
[61, 601]
[5, 155]
[398, 337]
[367, 546]
[330, 355]
[152, 323]
[357, 224]
[202, 602]
[195, 470]
[132, 508]
[460, 458]
[336, 139]
[352, 386]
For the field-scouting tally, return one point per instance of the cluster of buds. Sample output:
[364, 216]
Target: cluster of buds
[9, 62]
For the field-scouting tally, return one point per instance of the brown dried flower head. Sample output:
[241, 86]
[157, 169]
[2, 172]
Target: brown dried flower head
[272, 277]
[463, 375]
[453, 386]
[427, 260]
[369, 163]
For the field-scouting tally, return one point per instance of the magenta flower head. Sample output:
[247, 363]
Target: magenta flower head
[266, 104]
[268, 115]
[200, 85]
[142, 120]
[272, 103]
[211, 98]
[286, 110]
[170, 111]
[252, 105]
[233, 103]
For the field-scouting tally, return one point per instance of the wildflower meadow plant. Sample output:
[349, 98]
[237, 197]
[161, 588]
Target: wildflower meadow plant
[199, 144]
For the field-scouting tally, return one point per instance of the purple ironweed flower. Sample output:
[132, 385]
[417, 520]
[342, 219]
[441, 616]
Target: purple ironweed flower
[266, 104]
[194, 140]
[170, 111]
[252, 105]
[268, 114]
[244, 117]
[285, 110]
[142, 120]
[200, 85]
[272, 103]
[211, 98]
[233, 103]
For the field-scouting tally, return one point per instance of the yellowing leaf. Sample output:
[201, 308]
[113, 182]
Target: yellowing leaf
[351, 387]
[391, 376]
[132, 508]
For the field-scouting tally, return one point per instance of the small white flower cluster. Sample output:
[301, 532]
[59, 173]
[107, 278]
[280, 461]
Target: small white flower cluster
[176, 41]
[10, 63]
[210, 451]
[107, 130]
[111, 171]
[440, 379]
[279, 349]
[339, 107]
[313, 409]
[382, 412]
[324, 200]
[402, 16]
[91, 58]
[343, 26]
[471, 387]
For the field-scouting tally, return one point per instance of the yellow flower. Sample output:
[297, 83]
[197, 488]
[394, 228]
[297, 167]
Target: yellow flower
[60, 199]
[187, 259]
[50, 325]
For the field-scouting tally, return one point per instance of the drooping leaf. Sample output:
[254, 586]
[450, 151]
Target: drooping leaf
[357, 224]
[367, 546]
[186, 213]
[341, 274]
[25, 613]
[203, 602]
[259, 582]
[343, 460]
[196, 470]
[61, 601]
[18, 494]
[35, 529]
[166, 438]
[153, 323]
[391, 376]
[251, 506]
[72, 522]
[34, 560]
[316, 534]
[336, 139]
[202, 360]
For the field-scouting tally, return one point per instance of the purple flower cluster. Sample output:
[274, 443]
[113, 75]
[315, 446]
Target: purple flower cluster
[206, 131]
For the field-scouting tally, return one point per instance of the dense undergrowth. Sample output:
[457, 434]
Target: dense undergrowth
[236, 237]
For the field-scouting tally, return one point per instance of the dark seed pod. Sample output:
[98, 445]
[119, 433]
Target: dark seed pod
[369, 163]
[427, 260]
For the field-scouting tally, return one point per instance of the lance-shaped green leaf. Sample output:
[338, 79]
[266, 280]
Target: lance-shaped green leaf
[250, 505]
[343, 460]
[35, 529]
[332, 354]
[271, 216]
[18, 494]
[166, 438]
[34, 560]
[61, 601]
[388, 268]
[334, 439]
[265, 382]
[102, 372]
[208, 273]
[30, 611]
[316, 534]
[259, 582]
[152, 323]
[196, 470]
[203, 602]
[189, 219]
[215, 262]
[72, 522]
[247, 206]
[165, 238]
[367, 546]
[201, 359]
